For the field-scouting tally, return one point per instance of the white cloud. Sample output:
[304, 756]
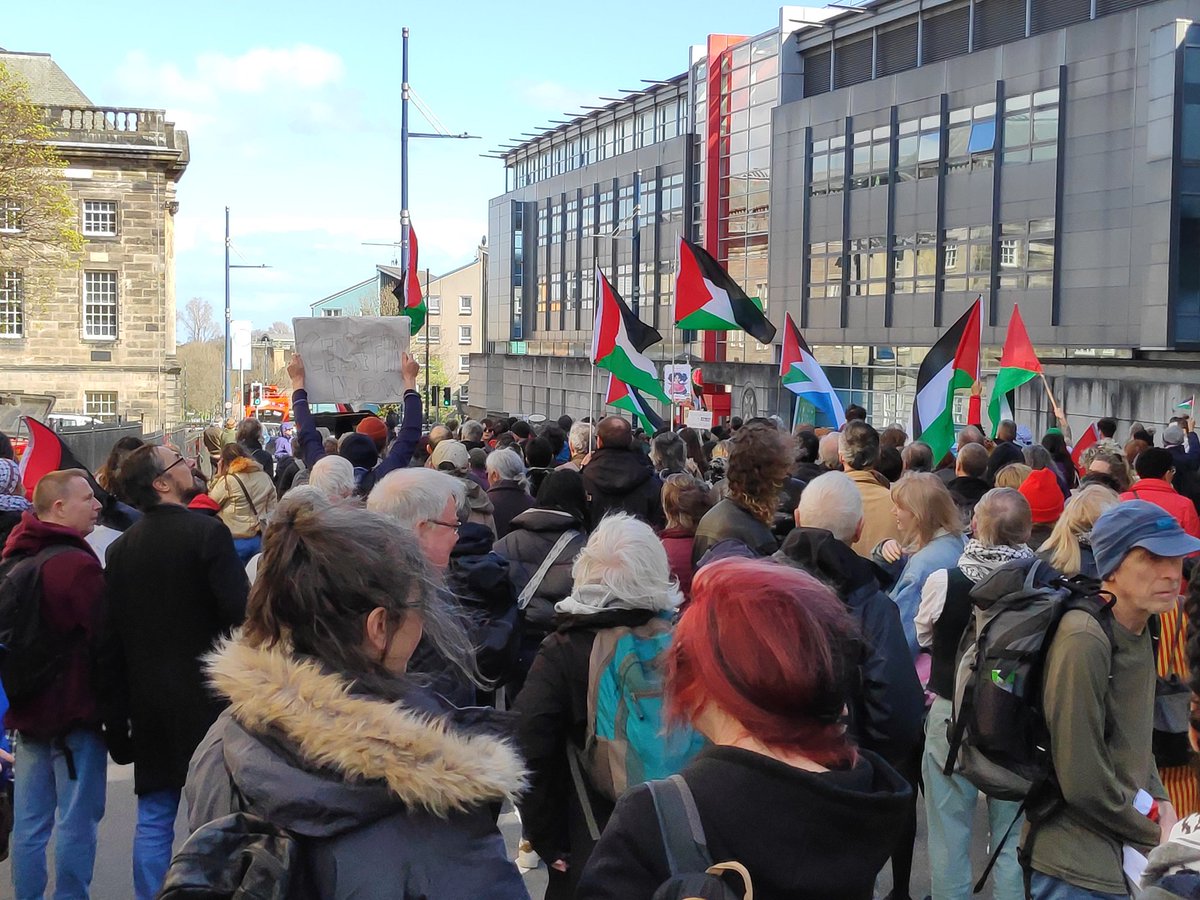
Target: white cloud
[265, 68]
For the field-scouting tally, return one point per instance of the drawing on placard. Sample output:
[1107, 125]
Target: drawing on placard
[352, 359]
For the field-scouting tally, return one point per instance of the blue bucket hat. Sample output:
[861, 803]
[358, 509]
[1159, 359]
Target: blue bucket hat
[1136, 523]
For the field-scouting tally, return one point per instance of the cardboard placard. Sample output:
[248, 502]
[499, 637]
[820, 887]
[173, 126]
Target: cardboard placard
[352, 359]
[699, 419]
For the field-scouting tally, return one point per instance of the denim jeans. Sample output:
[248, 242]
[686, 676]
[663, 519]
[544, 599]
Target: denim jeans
[46, 798]
[950, 812]
[1047, 887]
[247, 547]
[152, 841]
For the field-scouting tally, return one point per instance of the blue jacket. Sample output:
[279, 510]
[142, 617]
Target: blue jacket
[940, 553]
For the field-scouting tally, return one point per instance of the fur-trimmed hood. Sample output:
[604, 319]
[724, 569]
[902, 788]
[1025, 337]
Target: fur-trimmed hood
[244, 464]
[309, 718]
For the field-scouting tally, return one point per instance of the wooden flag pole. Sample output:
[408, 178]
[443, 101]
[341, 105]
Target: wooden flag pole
[1049, 394]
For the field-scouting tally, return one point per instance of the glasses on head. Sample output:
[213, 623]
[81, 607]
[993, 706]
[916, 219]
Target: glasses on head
[453, 526]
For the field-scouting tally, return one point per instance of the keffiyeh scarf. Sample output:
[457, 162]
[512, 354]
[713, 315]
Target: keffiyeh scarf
[979, 560]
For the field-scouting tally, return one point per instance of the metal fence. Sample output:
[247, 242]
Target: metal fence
[91, 443]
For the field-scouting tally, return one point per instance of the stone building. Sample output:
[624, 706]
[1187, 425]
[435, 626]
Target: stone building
[98, 333]
[457, 304]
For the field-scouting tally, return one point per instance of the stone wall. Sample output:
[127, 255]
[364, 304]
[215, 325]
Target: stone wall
[54, 356]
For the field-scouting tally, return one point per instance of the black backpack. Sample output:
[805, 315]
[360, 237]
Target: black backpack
[694, 876]
[240, 855]
[32, 656]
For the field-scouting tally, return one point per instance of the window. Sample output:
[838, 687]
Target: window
[556, 224]
[1026, 254]
[606, 213]
[464, 334]
[12, 304]
[464, 364]
[671, 201]
[101, 404]
[434, 305]
[434, 332]
[572, 230]
[825, 271]
[914, 263]
[464, 305]
[967, 258]
[100, 218]
[462, 392]
[100, 305]
[971, 140]
[828, 166]
[868, 266]
[918, 148]
[872, 157]
[10, 216]
[1031, 127]
[328, 313]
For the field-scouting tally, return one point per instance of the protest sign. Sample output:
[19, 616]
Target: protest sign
[700, 420]
[352, 359]
[677, 382]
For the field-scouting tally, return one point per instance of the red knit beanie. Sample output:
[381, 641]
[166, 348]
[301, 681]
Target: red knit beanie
[1044, 495]
[374, 428]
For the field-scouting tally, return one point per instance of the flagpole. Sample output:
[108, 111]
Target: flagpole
[592, 410]
[675, 329]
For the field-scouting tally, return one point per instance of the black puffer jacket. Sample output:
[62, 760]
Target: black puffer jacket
[479, 578]
[619, 480]
[886, 714]
[532, 536]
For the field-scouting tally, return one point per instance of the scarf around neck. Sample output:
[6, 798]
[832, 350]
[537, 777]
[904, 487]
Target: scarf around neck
[589, 599]
[979, 560]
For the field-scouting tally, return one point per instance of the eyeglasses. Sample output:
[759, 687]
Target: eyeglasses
[453, 526]
[178, 460]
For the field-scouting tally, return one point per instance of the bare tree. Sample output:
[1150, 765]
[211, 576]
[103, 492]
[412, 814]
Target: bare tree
[202, 379]
[198, 322]
[280, 328]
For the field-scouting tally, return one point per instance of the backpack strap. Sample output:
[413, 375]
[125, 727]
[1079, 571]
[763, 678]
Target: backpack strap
[679, 823]
[535, 581]
[246, 494]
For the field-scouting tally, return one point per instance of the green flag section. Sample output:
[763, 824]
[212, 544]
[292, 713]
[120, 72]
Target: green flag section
[707, 299]
[619, 340]
[1018, 365]
[804, 377]
[622, 396]
[408, 291]
[950, 365]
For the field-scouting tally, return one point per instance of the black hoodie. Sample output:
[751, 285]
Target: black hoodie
[886, 715]
[621, 480]
[802, 835]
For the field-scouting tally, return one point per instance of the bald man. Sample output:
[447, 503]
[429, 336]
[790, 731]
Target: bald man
[620, 478]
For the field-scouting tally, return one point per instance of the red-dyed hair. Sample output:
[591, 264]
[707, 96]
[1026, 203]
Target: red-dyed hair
[772, 647]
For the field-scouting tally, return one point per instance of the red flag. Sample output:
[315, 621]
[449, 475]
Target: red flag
[46, 452]
[1087, 439]
[1018, 349]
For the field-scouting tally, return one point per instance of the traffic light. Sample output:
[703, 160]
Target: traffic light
[434, 394]
[445, 396]
[256, 394]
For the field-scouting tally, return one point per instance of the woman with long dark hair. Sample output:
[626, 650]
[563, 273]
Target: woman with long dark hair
[392, 793]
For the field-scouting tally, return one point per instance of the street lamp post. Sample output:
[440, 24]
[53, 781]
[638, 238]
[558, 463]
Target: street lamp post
[229, 318]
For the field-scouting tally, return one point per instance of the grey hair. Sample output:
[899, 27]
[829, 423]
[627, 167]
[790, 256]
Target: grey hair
[1003, 518]
[325, 567]
[829, 450]
[333, 476]
[1038, 457]
[471, 430]
[508, 466]
[917, 457]
[625, 556]
[971, 434]
[668, 452]
[858, 445]
[411, 496]
[833, 502]
[581, 437]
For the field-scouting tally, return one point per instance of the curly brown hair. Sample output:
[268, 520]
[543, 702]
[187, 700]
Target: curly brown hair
[760, 460]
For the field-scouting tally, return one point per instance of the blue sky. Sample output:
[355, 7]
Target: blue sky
[293, 111]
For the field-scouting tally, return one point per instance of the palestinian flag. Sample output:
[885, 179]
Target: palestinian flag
[952, 363]
[707, 299]
[408, 291]
[622, 396]
[619, 340]
[1188, 405]
[804, 377]
[45, 453]
[1018, 365]
[1088, 439]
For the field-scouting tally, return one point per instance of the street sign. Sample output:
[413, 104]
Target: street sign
[240, 333]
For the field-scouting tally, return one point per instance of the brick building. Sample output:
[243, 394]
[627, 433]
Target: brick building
[99, 333]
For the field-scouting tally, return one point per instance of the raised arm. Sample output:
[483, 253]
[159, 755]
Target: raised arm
[312, 447]
[410, 424]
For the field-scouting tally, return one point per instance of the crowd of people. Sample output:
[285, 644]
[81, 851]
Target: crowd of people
[693, 661]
